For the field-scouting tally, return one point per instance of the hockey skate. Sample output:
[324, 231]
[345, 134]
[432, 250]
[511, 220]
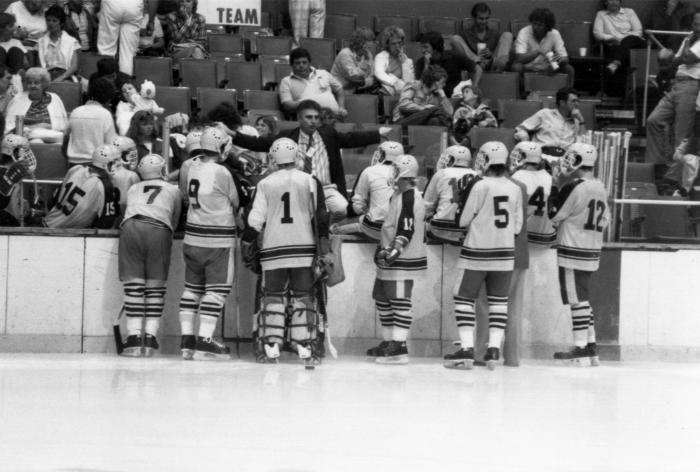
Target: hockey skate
[270, 354]
[187, 344]
[209, 349]
[308, 356]
[579, 356]
[492, 356]
[376, 351]
[150, 345]
[462, 359]
[593, 354]
[395, 353]
[132, 346]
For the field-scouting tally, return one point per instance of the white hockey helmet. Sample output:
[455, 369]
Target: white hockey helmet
[151, 166]
[17, 147]
[525, 152]
[215, 140]
[455, 156]
[406, 166]
[192, 141]
[491, 153]
[578, 155]
[283, 151]
[127, 148]
[387, 151]
[106, 157]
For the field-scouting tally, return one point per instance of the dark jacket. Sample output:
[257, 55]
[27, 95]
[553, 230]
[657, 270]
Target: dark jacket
[333, 140]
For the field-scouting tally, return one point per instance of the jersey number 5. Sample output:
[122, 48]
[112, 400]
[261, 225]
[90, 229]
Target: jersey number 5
[595, 206]
[501, 214]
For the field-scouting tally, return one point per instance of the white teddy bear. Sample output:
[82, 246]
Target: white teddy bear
[146, 100]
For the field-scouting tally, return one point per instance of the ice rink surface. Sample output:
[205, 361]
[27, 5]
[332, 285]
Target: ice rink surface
[103, 413]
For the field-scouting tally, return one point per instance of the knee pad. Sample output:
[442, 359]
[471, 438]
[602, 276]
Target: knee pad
[304, 320]
[189, 302]
[212, 304]
[271, 318]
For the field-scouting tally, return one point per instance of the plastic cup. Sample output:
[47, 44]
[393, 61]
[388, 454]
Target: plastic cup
[480, 47]
[582, 52]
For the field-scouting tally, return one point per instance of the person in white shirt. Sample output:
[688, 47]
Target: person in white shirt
[31, 24]
[58, 51]
[91, 125]
[392, 67]
[120, 24]
[12, 51]
[620, 30]
[554, 126]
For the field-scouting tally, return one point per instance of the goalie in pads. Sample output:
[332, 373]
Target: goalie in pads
[287, 205]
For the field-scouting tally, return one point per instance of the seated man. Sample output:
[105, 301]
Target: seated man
[457, 67]
[539, 47]
[424, 101]
[554, 126]
[307, 82]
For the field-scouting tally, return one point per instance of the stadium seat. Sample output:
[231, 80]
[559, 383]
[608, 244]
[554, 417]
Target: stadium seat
[221, 58]
[267, 70]
[361, 108]
[494, 23]
[174, 99]
[513, 112]
[517, 25]
[340, 26]
[274, 45]
[70, 93]
[446, 25]
[426, 142]
[158, 70]
[255, 113]
[198, 73]
[282, 70]
[261, 99]
[243, 76]
[533, 81]
[576, 35]
[403, 22]
[666, 222]
[51, 164]
[209, 98]
[640, 172]
[87, 63]
[479, 136]
[499, 85]
[228, 43]
[355, 162]
[322, 51]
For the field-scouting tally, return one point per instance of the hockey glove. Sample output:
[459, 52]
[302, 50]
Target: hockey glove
[392, 255]
[379, 255]
[13, 176]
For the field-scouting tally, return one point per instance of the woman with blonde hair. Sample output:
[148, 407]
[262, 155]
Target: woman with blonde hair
[354, 65]
[392, 67]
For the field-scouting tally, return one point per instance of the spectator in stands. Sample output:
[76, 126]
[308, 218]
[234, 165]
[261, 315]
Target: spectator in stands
[45, 117]
[266, 126]
[12, 51]
[144, 132]
[151, 43]
[307, 82]
[354, 65]
[392, 67]
[81, 24]
[485, 46]
[186, 32]
[58, 51]
[424, 102]
[319, 151]
[7, 89]
[676, 110]
[471, 113]
[620, 30]
[672, 15]
[31, 24]
[457, 67]
[539, 47]
[308, 18]
[107, 68]
[91, 125]
[120, 24]
[554, 126]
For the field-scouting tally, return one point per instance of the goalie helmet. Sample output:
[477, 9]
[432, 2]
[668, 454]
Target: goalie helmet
[192, 141]
[456, 155]
[127, 147]
[17, 147]
[151, 166]
[215, 140]
[578, 155]
[106, 157]
[387, 151]
[525, 152]
[283, 151]
[405, 166]
[491, 153]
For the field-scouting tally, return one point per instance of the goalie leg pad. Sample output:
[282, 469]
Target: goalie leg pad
[304, 320]
[271, 318]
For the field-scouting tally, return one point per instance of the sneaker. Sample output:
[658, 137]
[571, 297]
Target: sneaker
[493, 354]
[150, 345]
[208, 349]
[593, 354]
[395, 353]
[132, 346]
[577, 355]
[462, 359]
[187, 344]
[376, 351]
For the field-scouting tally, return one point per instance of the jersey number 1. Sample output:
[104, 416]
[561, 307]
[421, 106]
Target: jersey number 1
[285, 203]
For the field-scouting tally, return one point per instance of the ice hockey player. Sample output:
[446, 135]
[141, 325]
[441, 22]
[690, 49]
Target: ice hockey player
[373, 189]
[87, 197]
[208, 246]
[289, 205]
[18, 162]
[581, 212]
[145, 242]
[440, 201]
[400, 258]
[493, 215]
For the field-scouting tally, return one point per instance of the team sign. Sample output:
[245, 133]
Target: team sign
[236, 12]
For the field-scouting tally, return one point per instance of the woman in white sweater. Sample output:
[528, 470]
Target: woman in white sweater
[620, 30]
[392, 67]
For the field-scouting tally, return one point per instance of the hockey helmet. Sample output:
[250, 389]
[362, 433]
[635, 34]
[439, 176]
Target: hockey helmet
[387, 151]
[192, 141]
[491, 153]
[151, 166]
[127, 148]
[456, 155]
[106, 157]
[17, 147]
[283, 151]
[578, 155]
[215, 140]
[525, 152]
[405, 166]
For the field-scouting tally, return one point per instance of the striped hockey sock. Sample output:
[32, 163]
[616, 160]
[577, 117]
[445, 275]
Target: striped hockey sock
[581, 318]
[134, 306]
[498, 318]
[386, 318]
[189, 305]
[155, 300]
[403, 316]
[591, 328]
[466, 320]
[210, 308]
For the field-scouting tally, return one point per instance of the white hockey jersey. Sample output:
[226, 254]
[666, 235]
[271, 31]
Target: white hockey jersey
[493, 214]
[213, 201]
[582, 214]
[285, 204]
[371, 196]
[123, 179]
[540, 229]
[155, 199]
[405, 219]
[439, 198]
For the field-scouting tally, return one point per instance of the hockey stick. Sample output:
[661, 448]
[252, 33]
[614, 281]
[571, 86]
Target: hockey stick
[116, 330]
[321, 289]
